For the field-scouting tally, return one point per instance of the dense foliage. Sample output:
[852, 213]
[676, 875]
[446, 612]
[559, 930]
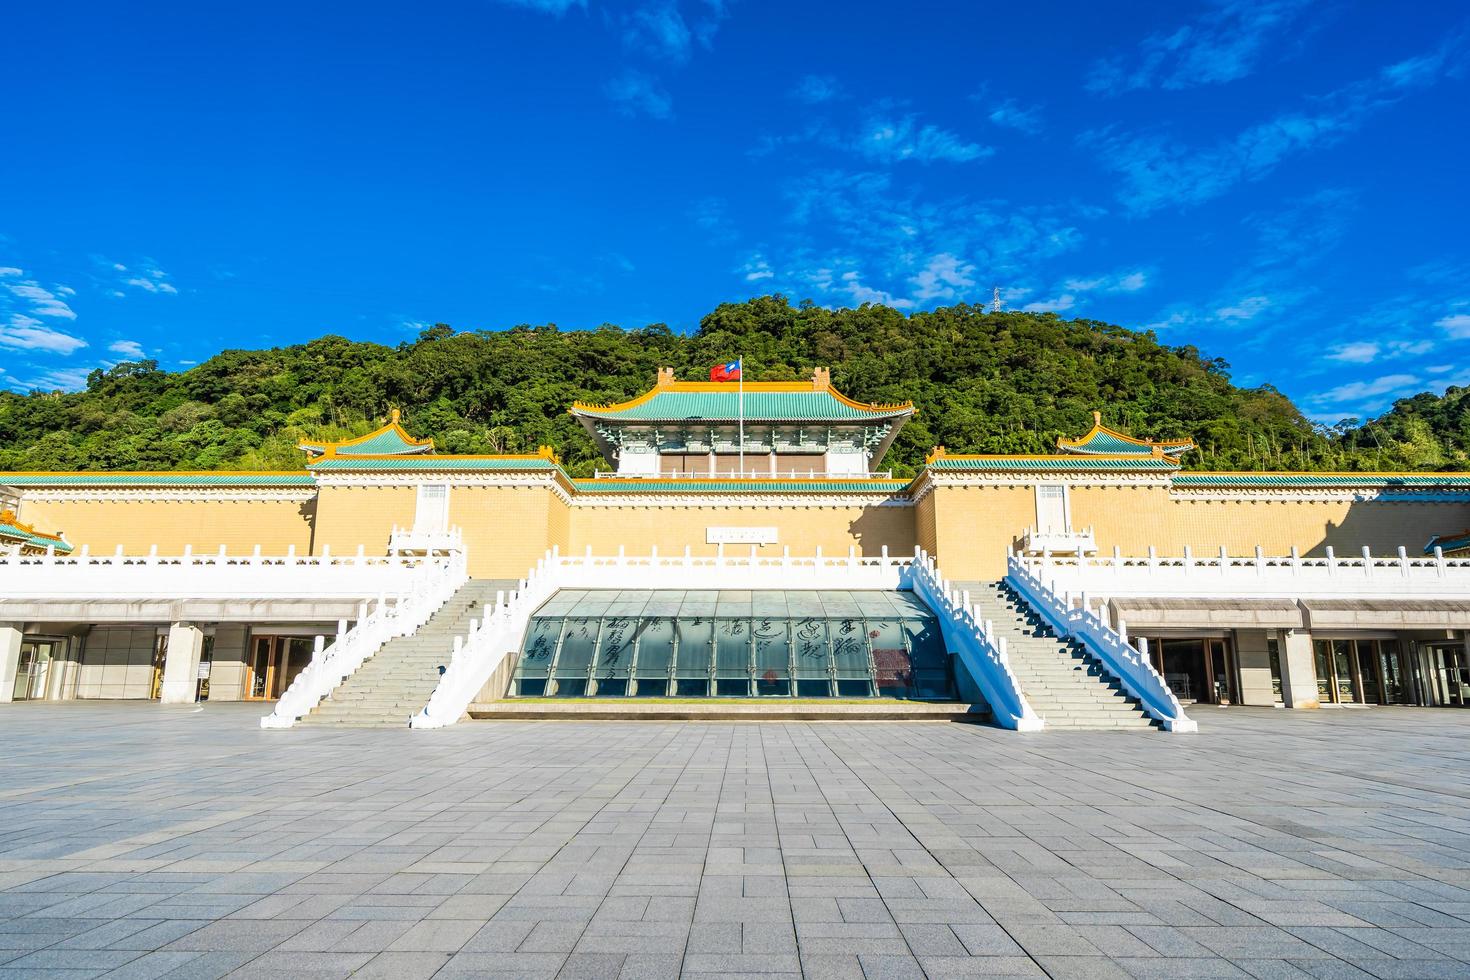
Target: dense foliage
[983, 382]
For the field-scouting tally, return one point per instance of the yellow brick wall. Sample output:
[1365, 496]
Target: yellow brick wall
[348, 517]
[976, 527]
[204, 524]
[925, 534]
[1310, 525]
[506, 529]
[802, 529]
[559, 523]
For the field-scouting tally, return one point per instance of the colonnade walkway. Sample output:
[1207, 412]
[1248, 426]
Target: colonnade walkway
[139, 840]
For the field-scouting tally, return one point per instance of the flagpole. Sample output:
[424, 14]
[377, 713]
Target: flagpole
[740, 368]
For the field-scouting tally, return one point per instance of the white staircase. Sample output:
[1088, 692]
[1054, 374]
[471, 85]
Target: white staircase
[395, 683]
[1062, 683]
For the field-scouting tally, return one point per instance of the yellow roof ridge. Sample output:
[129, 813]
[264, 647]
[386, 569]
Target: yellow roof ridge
[780, 387]
[394, 417]
[1097, 427]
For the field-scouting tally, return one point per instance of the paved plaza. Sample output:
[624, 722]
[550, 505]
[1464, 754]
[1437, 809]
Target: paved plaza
[143, 841]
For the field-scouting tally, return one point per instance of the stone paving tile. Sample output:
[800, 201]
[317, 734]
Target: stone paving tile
[1274, 844]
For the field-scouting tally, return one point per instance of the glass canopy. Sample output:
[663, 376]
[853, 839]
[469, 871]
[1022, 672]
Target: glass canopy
[811, 644]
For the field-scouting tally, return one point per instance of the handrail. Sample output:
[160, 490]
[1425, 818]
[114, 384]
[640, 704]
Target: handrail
[969, 637]
[1113, 651]
[330, 666]
[478, 654]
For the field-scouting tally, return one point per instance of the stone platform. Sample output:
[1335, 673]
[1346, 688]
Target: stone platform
[718, 709]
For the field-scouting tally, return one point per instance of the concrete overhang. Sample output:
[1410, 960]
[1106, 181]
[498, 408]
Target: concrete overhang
[1158, 613]
[178, 610]
[1401, 614]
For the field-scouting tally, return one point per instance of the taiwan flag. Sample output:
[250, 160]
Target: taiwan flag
[726, 372]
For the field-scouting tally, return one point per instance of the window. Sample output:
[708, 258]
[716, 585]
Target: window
[1051, 508]
[432, 513]
[772, 644]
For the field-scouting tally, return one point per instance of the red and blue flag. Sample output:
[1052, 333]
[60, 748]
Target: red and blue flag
[726, 372]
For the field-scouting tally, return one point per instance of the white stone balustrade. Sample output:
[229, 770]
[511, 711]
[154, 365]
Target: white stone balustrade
[1083, 542]
[411, 541]
[83, 576]
[1292, 576]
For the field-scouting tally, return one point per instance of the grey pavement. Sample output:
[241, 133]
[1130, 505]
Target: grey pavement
[141, 841]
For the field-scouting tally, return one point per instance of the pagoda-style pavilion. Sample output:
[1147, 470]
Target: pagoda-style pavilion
[752, 429]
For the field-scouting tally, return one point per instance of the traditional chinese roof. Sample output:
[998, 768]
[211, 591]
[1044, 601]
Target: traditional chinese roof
[764, 402]
[1100, 440]
[941, 460]
[161, 479]
[1457, 544]
[544, 459]
[390, 440]
[13, 532]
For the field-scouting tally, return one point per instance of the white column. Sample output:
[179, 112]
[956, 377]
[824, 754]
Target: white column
[10, 637]
[181, 663]
[1253, 661]
[1298, 672]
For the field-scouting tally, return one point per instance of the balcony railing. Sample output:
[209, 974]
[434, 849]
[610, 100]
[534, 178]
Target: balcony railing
[83, 575]
[1083, 542]
[416, 541]
[1293, 576]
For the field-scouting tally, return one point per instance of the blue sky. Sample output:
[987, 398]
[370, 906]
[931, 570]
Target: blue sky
[1279, 182]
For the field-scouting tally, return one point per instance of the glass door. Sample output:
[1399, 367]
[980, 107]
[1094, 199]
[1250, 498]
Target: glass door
[273, 663]
[33, 670]
[1454, 675]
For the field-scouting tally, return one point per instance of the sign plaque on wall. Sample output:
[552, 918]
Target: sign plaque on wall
[740, 535]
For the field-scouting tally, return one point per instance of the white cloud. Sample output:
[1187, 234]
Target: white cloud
[1118, 282]
[9, 271]
[942, 278]
[1157, 171]
[1056, 304]
[635, 93]
[22, 332]
[1247, 309]
[1363, 352]
[127, 348]
[555, 7]
[757, 269]
[816, 89]
[889, 138]
[1223, 45]
[912, 247]
[1388, 384]
[39, 301]
[1456, 325]
[61, 379]
[148, 277]
[1011, 115]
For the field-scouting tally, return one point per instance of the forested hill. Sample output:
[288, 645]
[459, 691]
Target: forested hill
[983, 382]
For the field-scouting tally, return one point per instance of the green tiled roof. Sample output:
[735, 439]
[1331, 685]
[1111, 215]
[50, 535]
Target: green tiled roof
[430, 464]
[740, 486]
[1052, 464]
[10, 535]
[161, 479]
[1102, 441]
[1347, 481]
[724, 406]
[379, 443]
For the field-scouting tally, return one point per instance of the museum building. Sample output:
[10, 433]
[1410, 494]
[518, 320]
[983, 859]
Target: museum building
[743, 541]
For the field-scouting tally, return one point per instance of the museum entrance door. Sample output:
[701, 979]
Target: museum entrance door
[1451, 669]
[273, 664]
[1197, 669]
[34, 669]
